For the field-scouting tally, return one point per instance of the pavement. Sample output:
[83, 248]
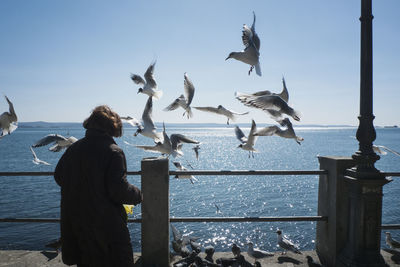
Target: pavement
[25, 258]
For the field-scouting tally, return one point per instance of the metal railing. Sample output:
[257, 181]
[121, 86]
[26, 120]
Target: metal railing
[206, 219]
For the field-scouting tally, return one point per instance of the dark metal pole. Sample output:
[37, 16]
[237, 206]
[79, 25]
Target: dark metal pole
[364, 181]
[365, 157]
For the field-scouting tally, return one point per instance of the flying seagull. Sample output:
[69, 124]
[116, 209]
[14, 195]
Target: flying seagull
[196, 151]
[180, 241]
[149, 86]
[170, 145]
[391, 242]
[270, 103]
[60, 142]
[251, 53]
[184, 101]
[8, 120]
[36, 160]
[249, 142]
[132, 121]
[275, 130]
[382, 150]
[231, 115]
[147, 128]
[257, 253]
[286, 244]
[180, 167]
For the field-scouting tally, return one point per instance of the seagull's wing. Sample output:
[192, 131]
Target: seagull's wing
[256, 39]
[284, 94]
[36, 160]
[147, 113]
[240, 135]
[389, 149]
[49, 139]
[178, 165]
[132, 121]
[149, 76]
[174, 105]
[209, 109]
[137, 79]
[267, 131]
[177, 139]
[251, 139]
[189, 89]
[13, 116]
[176, 234]
[247, 36]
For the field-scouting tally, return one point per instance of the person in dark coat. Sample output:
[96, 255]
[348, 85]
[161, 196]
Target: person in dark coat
[92, 177]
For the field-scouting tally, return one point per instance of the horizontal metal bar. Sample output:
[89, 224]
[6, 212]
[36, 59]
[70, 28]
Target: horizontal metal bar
[210, 172]
[188, 219]
[390, 226]
[251, 172]
[249, 219]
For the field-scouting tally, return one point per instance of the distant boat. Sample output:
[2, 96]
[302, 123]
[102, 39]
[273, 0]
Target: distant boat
[393, 126]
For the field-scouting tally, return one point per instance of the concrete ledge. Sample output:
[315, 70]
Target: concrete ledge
[18, 258]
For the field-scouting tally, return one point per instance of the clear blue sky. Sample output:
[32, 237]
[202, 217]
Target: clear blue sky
[59, 59]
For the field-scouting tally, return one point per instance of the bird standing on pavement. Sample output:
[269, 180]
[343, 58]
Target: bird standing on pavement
[391, 242]
[257, 253]
[286, 244]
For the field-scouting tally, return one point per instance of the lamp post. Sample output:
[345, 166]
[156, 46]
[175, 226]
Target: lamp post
[364, 180]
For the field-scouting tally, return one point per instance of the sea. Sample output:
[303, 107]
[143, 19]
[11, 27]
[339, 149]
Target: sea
[235, 196]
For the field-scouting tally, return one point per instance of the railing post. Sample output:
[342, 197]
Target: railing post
[333, 200]
[155, 212]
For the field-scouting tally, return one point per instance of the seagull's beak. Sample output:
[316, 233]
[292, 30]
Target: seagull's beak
[227, 58]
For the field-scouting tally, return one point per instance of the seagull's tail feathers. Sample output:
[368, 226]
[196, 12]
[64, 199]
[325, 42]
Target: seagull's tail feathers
[158, 94]
[188, 112]
[258, 69]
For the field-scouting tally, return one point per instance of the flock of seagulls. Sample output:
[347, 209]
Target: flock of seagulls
[181, 243]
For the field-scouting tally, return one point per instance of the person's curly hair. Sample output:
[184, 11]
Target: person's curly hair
[104, 119]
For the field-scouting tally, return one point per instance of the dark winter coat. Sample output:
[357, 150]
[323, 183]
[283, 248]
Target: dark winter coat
[92, 176]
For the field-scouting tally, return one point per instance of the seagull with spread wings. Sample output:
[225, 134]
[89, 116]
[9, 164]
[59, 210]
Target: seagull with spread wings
[285, 133]
[149, 87]
[251, 53]
[231, 115]
[249, 142]
[59, 142]
[147, 127]
[184, 101]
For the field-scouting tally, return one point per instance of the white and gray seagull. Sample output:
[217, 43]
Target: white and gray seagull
[149, 87]
[60, 142]
[286, 244]
[231, 115]
[8, 120]
[131, 120]
[393, 244]
[147, 127]
[249, 142]
[382, 150]
[275, 130]
[180, 167]
[257, 253]
[184, 101]
[251, 53]
[270, 103]
[170, 145]
[196, 151]
[36, 160]
[180, 241]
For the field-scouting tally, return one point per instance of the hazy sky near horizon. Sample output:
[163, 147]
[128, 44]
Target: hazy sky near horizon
[60, 59]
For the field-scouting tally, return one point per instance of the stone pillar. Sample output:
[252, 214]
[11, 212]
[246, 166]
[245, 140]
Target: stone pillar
[155, 212]
[332, 202]
[364, 220]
